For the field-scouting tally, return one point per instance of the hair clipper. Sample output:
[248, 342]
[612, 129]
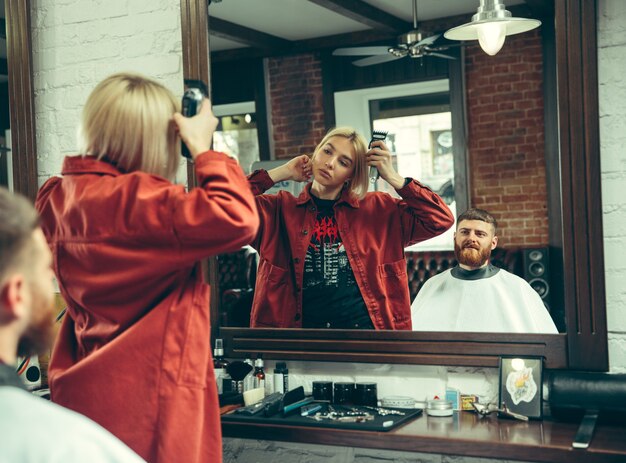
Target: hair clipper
[192, 101]
[376, 135]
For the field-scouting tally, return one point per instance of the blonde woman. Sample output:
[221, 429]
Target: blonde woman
[133, 352]
[334, 256]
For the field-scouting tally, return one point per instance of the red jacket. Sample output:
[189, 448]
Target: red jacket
[374, 230]
[134, 352]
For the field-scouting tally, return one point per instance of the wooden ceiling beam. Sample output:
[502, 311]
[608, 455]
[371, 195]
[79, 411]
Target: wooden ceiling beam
[244, 35]
[367, 14]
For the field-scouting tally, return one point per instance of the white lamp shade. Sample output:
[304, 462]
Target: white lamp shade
[513, 26]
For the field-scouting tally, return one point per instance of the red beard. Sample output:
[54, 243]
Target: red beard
[39, 334]
[472, 257]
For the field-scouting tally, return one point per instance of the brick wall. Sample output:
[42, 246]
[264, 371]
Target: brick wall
[77, 43]
[506, 138]
[295, 95]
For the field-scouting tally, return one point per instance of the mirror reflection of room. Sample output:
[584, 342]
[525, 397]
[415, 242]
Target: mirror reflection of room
[6, 177]
[494, 159]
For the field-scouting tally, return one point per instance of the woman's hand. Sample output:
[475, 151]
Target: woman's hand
[298, 169]
[380, 157]
[197, 131]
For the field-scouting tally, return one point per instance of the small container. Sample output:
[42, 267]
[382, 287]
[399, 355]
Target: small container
[323, 391]
[366, 394]
[439, 407]
[398, 402]
[343, 393]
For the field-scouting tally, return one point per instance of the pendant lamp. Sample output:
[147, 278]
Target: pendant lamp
[490, 25]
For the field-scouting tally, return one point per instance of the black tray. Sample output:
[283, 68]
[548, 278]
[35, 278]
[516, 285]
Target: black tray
[377, 424]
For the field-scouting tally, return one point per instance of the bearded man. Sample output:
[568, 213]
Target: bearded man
[32, 428]
[475, 295]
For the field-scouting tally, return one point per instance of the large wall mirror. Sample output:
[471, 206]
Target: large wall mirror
[567, 203]
[575, 216]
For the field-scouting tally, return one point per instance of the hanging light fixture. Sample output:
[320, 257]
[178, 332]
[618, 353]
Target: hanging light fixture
[490, 25]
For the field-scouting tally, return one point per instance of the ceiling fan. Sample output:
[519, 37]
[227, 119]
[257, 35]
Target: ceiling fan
[414, 44]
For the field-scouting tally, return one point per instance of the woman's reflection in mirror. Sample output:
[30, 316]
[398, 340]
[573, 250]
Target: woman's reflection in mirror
[333, 257]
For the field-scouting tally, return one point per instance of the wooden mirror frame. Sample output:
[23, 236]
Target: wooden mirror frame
[583, 347]
[21, 99]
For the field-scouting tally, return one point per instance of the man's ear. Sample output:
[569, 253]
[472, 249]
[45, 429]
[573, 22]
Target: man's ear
[12, 296]
[494, 242]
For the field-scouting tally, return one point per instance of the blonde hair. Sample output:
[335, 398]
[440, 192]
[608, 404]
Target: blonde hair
[359, 181]
[127, 120]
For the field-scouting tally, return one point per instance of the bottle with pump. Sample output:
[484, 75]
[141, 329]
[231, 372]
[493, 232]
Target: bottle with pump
[219, 365]
[281, 378]
[259, 373]
[248, 381]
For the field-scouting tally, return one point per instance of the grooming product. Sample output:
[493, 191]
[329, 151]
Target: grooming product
[281, 377]
[262, 405]
[376, 135]
[288, 409]
[454, 396]
[343, 393]
[308, 410]
[395, 401]
[219, 364]
[366, 394]
[439, 407]
[259, 373]
[273, 404]
[293, 400]
[467, 401]
[238, 371]
[248, 381]
[253, 396]
[323, 391]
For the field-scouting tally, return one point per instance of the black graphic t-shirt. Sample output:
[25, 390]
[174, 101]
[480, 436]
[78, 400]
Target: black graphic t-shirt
[331, 297]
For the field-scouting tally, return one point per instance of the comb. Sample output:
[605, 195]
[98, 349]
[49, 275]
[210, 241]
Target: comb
[376, 135]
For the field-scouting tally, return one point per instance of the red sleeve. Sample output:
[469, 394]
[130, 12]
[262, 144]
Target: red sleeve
[220, 214]
[424, 214]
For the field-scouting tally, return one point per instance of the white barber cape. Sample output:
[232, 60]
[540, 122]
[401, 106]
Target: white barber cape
[33, 430]
[489, 299]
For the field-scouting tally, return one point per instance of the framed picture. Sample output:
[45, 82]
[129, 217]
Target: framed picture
[520, 385]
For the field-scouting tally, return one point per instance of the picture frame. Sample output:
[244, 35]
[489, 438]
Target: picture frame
[520, 390]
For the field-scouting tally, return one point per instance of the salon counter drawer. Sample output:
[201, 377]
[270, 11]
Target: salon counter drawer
[462, 434]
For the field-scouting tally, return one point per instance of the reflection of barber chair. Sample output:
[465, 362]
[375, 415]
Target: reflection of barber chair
[237, 275]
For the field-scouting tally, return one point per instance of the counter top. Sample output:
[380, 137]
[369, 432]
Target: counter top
[465, 433]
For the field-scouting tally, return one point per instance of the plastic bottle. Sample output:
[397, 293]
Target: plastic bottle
[248, 381]
[259, 373]
[219, 365]
[281, 378]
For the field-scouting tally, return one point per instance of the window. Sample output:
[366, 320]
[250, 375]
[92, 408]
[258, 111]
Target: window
[418, 120]
[236, 133]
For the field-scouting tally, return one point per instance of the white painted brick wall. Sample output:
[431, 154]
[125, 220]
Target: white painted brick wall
[77, 43]
[612, 98]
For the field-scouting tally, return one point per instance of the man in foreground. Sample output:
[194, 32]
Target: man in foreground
[33, 429]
